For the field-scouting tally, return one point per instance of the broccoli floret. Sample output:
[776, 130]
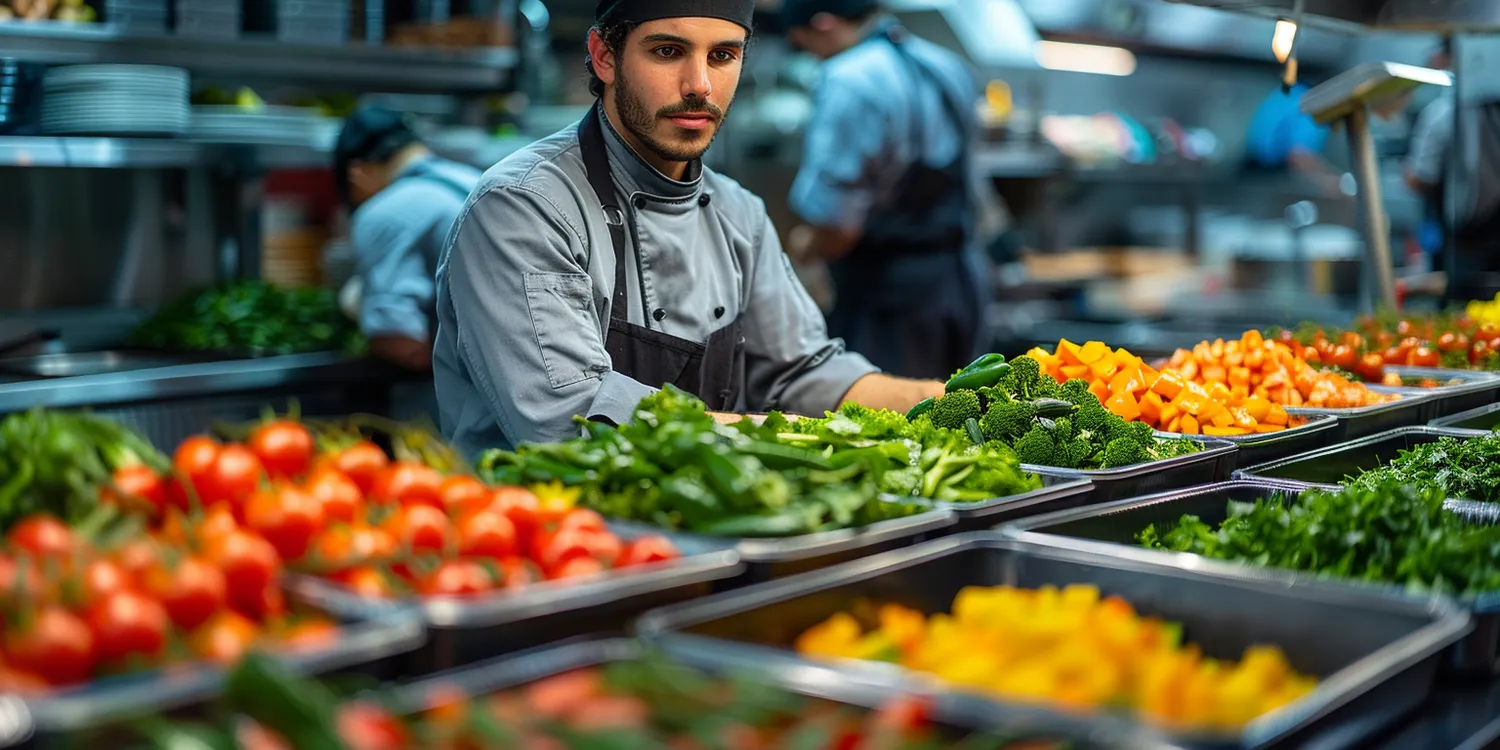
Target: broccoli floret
[1114, 425]
[1026, 381]
[1124, 452]
[1140, 432]
[1062, 429]
[1076, 392]
[951, 411]
[1007, 420]
[1078, 454]
[1036, 447]
[1093, 419]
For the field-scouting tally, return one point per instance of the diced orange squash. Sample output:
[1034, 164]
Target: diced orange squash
[1225, 431]
[1073, 372]
[1258, 407]
[1239, 376]
[1175, 425]
[1189, 370]
[1242, 418]
[1151, 408]
[1127, 381]
[1264, 428]
[1189, 426]
[1149, 374]
[1238, 394]
[1179, 358]
[1222, 418]
[1234, 357]
[1100, 389]
[1125, 405]
[1218, 393]
[1216, 349]
[1168, 385]
[1255, 358]
[1039, 354]
[1103, 369]
[1170, 414]
[1215, 374]
[1093, 351]
[1276, 415]
[1068, 352]
[1252, 339]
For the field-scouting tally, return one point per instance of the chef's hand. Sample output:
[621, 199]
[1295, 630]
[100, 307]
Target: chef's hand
[880, 391]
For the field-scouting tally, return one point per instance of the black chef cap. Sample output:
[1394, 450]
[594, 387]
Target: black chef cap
[607, 12]
[800, 12]
[370, 134]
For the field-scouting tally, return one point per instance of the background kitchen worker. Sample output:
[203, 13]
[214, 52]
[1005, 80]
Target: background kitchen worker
[1280, 136]
[884, 188]
[405, 201]
[606, 261]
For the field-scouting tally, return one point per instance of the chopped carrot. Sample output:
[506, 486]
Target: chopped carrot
[1102, 368]
[1125, 405]
[1100, 390]
[1074, 372]
[1168, 385]
[1068, 352]
[1222, 418]
[1258, 408]
[1276, 415]
[1174, 425]
[1151, 408]
[1242, 418]
[1127, 381]
[1189, 426]
[1169, 414]
[1092, 352]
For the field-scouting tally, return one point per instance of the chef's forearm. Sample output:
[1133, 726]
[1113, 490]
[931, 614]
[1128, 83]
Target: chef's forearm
[403, 351]
[879, 391]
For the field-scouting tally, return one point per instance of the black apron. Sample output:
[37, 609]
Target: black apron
[713, 371]
[1473, 247]
[907, 297]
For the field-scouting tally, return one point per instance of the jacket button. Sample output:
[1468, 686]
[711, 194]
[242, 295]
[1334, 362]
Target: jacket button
[703, 200]
[659, 315]
[640, 202]
[718, 312]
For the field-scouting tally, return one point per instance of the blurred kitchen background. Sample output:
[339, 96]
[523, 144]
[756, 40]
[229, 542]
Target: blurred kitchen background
[1121, 207]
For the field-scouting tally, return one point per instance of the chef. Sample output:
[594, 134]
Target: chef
[884, 188]
[405, 201]
[606, 261]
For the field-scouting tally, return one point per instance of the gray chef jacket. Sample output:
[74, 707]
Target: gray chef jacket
[524, 296]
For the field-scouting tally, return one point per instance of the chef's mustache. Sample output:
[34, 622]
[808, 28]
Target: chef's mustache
[692, 106]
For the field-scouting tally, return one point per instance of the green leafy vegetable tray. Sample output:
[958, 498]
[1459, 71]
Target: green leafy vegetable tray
[1328, 467]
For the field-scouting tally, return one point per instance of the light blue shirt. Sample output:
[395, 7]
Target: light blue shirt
[398, 238]
[860, 140]
[1279, 128]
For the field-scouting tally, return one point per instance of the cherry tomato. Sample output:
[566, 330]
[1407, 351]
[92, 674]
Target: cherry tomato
[518, 505]
[43, 537]
[462, 493]
[194, 459]
[409, 483]
[137, 488]
[456, 578]
[344, 547]
[251, 569]
[420, 528]
[1394, 356]
[604, 547]
[56, 646]
[367, 582]
[284, 447]
[519, 572]
[225, 638]
[904, 715]
[1448, 342]
[1352, 340]
[624, 712]
[363, 463]
[342, 501]
[137, 557]
[218, 521]
[287, 517]
[17, 682]
[1371, 367]
[29, 588]
[487, 534]
[1425, 357]
[1311, 355]
[1478, 351]
[562, 695]
[554, 549]
[366, 726]
[1343, 357]
[234, 477]
[1405, 328]
[583, 519]
[192, 591]
[576, 567]
[102, 577]
[648, 549]
[126, 624]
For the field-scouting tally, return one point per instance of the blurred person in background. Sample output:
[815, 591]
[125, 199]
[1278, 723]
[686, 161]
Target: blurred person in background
[405, 200]
[884, 188]
[1281, 137]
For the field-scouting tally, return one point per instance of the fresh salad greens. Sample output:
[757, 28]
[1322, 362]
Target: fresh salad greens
[1467, 468]
[56, 462]
[1386, 531]
[251, 318]
[673, 466]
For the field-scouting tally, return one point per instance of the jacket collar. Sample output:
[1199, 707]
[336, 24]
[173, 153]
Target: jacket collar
[634, 175]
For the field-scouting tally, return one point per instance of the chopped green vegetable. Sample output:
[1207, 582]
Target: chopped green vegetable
[56, 462]
[252, 318]
[1467, 468]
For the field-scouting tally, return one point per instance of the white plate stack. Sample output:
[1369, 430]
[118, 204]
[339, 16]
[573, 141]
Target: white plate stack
[115, 100]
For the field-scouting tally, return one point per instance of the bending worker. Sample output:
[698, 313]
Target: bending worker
[606, 261]
[884, 188]
[405, 200]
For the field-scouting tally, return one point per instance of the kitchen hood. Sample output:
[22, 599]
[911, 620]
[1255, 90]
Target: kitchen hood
[1403, 15]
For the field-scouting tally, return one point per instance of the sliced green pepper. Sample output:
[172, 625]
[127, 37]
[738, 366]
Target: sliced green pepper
[922, 407]
[981, 374]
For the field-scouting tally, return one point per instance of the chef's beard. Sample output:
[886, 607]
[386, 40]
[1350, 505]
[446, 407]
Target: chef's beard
[642, 123]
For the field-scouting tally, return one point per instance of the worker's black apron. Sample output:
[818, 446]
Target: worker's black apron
[1473, 248]
[906, 297]
[713, 371]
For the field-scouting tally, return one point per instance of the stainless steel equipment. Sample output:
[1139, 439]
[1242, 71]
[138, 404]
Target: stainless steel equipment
[1415, 15]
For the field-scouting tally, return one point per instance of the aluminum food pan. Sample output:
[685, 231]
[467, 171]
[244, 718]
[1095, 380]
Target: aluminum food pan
[1255, 449]
[822, 682]
[1328, 467]
[1479, 421]
[1214, 463]
[462, 630]
[1101, 528]
[768, 559]
[1055, 494]
[1410, 409]
[1471, 389]
[1378, 664]
[370, 636]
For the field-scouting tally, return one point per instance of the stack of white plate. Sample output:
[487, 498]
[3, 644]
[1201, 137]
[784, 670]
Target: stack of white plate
[115, 100]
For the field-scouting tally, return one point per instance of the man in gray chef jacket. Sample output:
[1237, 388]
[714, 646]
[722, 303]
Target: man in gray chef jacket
[885, 188]
[606, 261]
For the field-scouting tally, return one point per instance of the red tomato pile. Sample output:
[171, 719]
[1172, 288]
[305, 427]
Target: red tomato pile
[1448, 342]
[76, 611]
[383, 528]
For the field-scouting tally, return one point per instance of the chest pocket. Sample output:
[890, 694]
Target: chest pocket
[561, 306]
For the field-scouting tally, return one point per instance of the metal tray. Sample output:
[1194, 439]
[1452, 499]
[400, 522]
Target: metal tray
[77, 364]
[766, 559]
[370, 636]
[1378, 663]
[1329, 466]
[821, 682]
[1473, 389]
[1102, 527]
[1254, 449]
[1410, 409]
[1214, 464]
[1055, 494]
[1481, 420]
[462, 630]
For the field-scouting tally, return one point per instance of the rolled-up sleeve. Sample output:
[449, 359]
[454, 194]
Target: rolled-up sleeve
[398, 287]
[834, 188]
[527, 320]
[791, 363]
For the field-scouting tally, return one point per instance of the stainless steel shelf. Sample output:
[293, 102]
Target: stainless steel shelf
[148, 153]
[386, 68]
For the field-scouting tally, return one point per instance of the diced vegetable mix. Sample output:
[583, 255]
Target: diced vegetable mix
[1272, 370]
[1071, 647]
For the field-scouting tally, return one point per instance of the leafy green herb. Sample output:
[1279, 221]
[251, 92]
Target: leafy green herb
[55, 462]
[252, 318]
[1467, 468]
